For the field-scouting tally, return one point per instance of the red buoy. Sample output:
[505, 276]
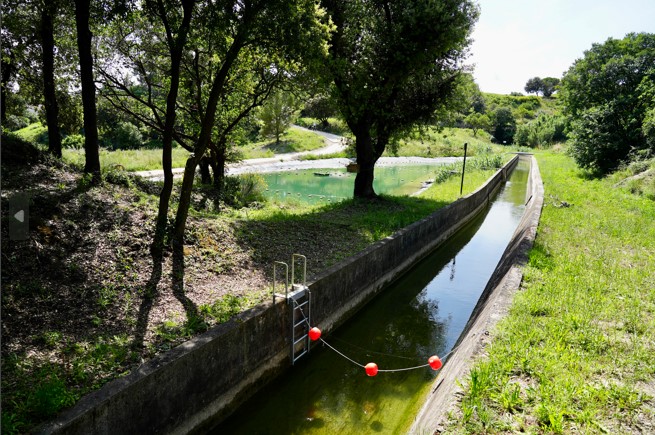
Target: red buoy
[435, 362]
[371, 369]
[314, 333]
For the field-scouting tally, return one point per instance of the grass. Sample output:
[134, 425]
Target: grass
[61, 367]
[447, 142]
[292, 141]
[129, 160]
[575, 352]
[32, 132]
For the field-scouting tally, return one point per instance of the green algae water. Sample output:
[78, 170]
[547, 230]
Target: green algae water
[421, 314]
[329, 185]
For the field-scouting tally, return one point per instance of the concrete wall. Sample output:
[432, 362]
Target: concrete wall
[200, 382]
[492, 306]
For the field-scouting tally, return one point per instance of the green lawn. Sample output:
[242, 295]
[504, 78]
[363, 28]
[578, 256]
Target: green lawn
[575, 354]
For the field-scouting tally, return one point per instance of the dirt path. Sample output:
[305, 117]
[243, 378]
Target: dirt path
[333, 144]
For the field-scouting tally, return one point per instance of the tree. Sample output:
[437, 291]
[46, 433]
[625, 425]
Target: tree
[605, 96]
[504, 125]
[84, 41]
[321, 107]
[48, 12]
[393, 64]
[534, 85]
[276, 114]
[478, 121]
[549, 86]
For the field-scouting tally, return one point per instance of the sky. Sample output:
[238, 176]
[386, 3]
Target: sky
[515, 40]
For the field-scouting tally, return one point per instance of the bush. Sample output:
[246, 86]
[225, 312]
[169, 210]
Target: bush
[13, 122]
[545, 130]
[597, 143]
[504, 126]
[73, 141]
[244, 190]
[124, 136]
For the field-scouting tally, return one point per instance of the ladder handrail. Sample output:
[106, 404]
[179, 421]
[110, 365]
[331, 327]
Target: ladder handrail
[293, 267]
[286, 279]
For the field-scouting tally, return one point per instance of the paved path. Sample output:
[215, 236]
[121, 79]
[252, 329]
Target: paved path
[292, 161]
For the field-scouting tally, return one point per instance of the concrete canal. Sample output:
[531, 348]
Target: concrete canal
[420, 314]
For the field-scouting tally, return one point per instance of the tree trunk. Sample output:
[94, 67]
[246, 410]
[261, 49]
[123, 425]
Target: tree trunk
[176, 48]
[205, 176]
[8, 69]
[218, 166]
[91, 150]
[366, 159]
[217, 88]
[49, 95]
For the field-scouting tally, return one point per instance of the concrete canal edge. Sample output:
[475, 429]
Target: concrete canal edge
[199, 383]
[491, 307]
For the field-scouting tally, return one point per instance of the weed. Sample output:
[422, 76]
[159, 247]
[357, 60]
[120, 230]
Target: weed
[50, 396]
[223, 309]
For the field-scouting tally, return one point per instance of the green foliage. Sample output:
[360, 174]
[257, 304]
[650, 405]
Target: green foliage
[478, 121]
[608, 96]
[400, 73]
[122, 136]
[73, 141]
[50, 397]
[546, 86]
[224, 308]
[244, 190]
[545, 130]
[277, 114]
[320, 107]
[35, 133]
[534, 85]
[15, 122]
[504, 126]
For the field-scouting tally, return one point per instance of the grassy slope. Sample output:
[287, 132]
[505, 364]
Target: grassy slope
[576, 352]
[73, 295]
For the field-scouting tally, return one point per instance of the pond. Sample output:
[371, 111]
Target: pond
[328, 185]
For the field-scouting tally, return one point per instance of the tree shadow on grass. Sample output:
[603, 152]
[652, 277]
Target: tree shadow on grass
[150, 294]
[330, 233]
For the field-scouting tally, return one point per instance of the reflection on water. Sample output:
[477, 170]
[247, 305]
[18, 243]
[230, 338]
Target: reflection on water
[329, 185]
[421, 314]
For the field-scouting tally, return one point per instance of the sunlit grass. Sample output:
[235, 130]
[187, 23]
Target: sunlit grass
[292, 141]
[576, 349]
[129, 160]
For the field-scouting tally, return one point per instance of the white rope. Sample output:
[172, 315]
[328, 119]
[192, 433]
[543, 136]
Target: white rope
[346, 357]
[362, 365]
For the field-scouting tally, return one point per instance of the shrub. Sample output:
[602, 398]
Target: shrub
[124, 136]
[544, 130]
[73, 141]
[13, 123]
[244, 190]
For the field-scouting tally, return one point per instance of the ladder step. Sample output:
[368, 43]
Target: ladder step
[299, 340]
[299, 323]
[301, 305]
[298, 357]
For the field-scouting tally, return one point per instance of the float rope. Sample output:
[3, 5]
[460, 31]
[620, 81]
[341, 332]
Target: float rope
[366, 367]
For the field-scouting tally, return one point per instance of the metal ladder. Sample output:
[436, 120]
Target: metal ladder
[300, 300]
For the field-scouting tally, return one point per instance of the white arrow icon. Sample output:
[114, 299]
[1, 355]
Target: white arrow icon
[20, 216]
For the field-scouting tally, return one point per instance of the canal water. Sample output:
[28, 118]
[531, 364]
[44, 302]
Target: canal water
[421, 314]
